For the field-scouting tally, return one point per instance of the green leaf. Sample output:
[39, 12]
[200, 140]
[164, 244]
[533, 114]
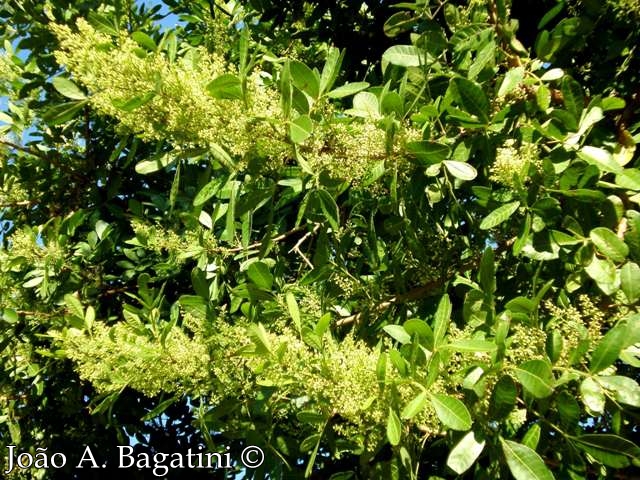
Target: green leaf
[626, 390]
[441, 321]
[331, 69]
[227, 86]
[471, 345]
[608, 243]
[403, 56]
[592, 395]
[503, 398]
[536, 377]
[551, 75]
[611, 450]
[157, 411]
[294, 311]
[465, 453]
[524, 463]
[499, 215]
[67, 88]
[601, 158]
[461, 170]
[629, 179]
[64, 112]
[155, 163]
[630, 281]
[394, 428]
[304, 78]
[206, 192]
[511, 80]
[258, 272]
[365, 105]
[130, 104]
[604, 273]
[471, 98]
[329, 208]
[74, 306]
[398, 333]
[429, 153]
[608, 348]
[300, 129]
[532, 437]
[144, 40]
[10, 316]
[572, 96]
[102, 24]
[348, 89]
[451, 412]
[398, 23]
[487, 274]
[415, 406]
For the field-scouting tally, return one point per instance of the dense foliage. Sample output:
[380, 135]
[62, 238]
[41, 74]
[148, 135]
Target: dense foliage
[383, 241]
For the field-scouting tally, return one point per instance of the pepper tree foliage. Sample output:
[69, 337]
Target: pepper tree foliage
[212, 239]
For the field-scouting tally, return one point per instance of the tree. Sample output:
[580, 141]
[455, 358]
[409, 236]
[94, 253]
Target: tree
[415, 259]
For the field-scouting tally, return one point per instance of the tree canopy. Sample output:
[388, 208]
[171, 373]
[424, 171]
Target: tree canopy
[373, 239]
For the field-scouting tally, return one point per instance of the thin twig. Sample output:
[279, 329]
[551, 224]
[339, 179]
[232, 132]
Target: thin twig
[296, 247]
[279, 238]
[24, 149]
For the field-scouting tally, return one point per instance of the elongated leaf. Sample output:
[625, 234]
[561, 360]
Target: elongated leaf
[348, 89]
[608, 243]
[625, 389]
[472, 346]
[64, 112]
[155, 163]
[465, 453]
[608, 349]
[461, 170]
[331, 69]
[524, 463]
[258, 273]
[429, 153]
[503, 398]
[472, 98]
[74, 306]
[144, 40]
[294, 311]
[67, 88]
[573, 97]
[592, 395]
[403, 56]
[441, 321]
[451, 412]
[394, 428]
[329, 208]
[499, 215]
[630, 281]
[611, 450]
[398, 333]
[536, 377]
[304, 78]
[511, 80]
[601, 158]
[415, 406]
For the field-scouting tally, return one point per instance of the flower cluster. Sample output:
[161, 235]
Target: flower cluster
[512, 163]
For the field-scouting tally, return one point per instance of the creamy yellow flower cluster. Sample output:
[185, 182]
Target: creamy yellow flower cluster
[180, 108]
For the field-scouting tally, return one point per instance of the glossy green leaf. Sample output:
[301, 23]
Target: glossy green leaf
[415, 406]
[429, 153]
[626, 390]
[611, 450]
[630, 281]
[226, 86]
[608, 349]
[304, 78]
[64, 112]
[524, 463]
[348, 89]
[608, 243]
[536, 377]
[67, 88]
[403, 56]
[441, 320]
[258, 272]
[394, 428]
[472, 98]
[451, 412]
[398, 333]
[461, 170]
[144, 40]
[154, 164]
[499, 215]
[300, 128]
[465, 453]
[601, 158]
[592, 395]
[329, 208]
